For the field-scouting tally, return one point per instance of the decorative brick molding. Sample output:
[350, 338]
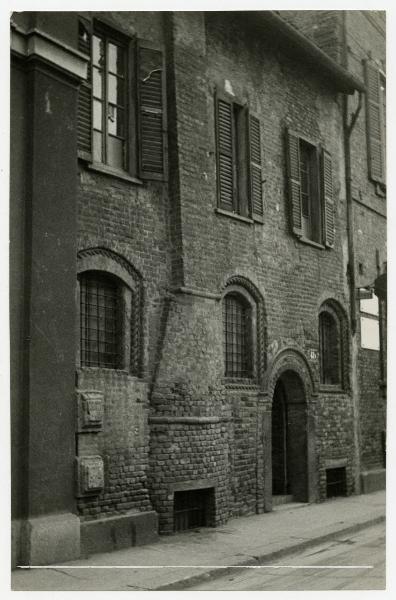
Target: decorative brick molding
[290, 359]
[103, 259]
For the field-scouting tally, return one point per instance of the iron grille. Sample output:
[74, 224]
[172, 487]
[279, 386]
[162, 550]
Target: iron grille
[236, 320]
[335, 482]
[99, 321]
[191, 508]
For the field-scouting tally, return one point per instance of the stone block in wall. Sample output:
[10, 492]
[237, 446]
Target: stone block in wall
[90, 410]
[89, 475]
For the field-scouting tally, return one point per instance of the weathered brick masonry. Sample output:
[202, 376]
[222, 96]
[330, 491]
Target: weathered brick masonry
[364, 33]
[163, 425]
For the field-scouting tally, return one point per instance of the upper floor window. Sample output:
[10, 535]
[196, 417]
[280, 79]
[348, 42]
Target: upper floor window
[238, 145]
[101, 321]
[312, 211]
[109, 87]
[121, 111]
[237, 323]
[376, 124]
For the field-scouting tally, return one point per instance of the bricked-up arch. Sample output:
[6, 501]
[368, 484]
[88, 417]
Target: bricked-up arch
[239, 284]
[337, 316]
[107, 261]
[290, 369]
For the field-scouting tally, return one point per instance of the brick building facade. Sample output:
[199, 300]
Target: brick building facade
[185, 338]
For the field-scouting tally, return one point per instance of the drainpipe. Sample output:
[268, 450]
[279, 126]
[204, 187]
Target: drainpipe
[349, 122]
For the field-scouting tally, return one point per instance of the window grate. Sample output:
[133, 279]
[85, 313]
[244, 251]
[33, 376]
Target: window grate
[192, 508]
[99, 318]
[330, 367]
[236, 320]
[336, 482]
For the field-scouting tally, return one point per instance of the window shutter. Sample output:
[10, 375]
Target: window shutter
[375, 143]
[225, 153]
[84, 106]
[152, 111]
[326, 172]
[256, 196]
[293, 168]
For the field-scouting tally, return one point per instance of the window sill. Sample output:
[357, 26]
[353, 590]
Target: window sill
[226, 213]
[105, 170]
[240, 383]
[309, 242]
[332, 389]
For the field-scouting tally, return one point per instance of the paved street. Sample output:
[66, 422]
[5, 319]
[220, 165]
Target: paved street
[366, 548]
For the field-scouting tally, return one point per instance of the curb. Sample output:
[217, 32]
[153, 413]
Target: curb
[188, 581]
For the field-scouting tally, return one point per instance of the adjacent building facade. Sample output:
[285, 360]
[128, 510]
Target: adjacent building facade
[195, 227]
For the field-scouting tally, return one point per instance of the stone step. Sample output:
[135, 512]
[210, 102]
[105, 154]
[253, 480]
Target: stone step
[282, 499]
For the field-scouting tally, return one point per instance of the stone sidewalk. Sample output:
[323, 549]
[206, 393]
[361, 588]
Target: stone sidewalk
[183, 559]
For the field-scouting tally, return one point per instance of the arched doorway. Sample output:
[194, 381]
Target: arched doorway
[289, 439]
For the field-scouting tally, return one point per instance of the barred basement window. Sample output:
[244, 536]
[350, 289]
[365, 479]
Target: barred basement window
[121, 122]
[100, 321]
[237, 321]
[329, 341]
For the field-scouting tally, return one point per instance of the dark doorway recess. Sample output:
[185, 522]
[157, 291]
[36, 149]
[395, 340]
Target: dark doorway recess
[336, 482]
[289, 440]
[193, 508]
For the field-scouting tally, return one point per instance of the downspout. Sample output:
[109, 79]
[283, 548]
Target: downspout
[348, 126]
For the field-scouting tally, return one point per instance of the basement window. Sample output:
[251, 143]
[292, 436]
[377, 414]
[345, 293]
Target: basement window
[335, 482]
[193, 509]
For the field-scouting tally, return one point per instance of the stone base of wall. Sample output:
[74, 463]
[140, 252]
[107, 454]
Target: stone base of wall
[115, 533]
[46, 540]
[372, 481]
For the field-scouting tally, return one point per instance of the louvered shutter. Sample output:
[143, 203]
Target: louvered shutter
[84, 107]
[225, 154]
[294, 184]
[152, 111]
[326, 171]
[375, 143]
[256, 197]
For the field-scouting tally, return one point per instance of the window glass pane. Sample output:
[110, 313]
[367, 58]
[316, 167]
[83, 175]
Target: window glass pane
[369, 332]
[116, 59]
[97, 83]
[97, 146]
[115, 152]
[370, 305]
[99, 343]
[115, 121]
[97, 115]
[97, 51]
[116, 90]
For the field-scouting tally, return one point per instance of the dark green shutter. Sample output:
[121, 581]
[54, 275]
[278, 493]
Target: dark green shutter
[84, 107]
[256, 197]
[375, 143]
[151, 110]
[294, 184]
[326, 171]
[225, 153]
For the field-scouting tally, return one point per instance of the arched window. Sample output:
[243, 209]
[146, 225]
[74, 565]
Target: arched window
[330, 346]
[101, 320]
[238, 350]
